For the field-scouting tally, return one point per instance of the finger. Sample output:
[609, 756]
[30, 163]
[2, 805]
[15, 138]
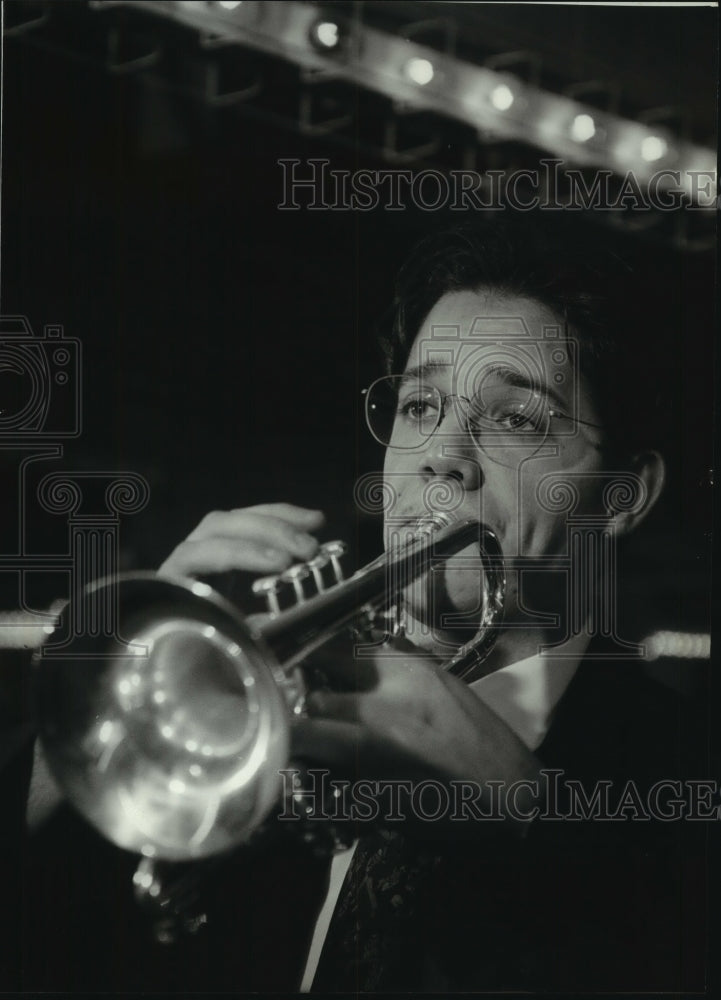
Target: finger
[332, 742]
[255, 622]
[301, 517]
[266, 529]
[351, 750]
[342, 669]
[335, 665]
[219, 555]
[333, 705]
[382, 722]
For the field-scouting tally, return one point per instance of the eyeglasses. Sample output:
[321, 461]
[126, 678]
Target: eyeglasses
[508, 422]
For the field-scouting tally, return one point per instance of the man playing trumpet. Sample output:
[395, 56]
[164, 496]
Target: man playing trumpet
[510, 398]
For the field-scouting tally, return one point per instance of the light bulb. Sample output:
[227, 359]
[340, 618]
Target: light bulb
[502, 97]
[653, 148]
[583, 128]
[420, 71]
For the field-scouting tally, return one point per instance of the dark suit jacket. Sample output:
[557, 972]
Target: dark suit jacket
[574, 906]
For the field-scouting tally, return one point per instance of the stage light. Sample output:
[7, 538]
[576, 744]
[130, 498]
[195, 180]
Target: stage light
[229, 4]
[502, 97]
[325, 35]
[678, 645]
[653, 148]
[583, 128]
[328, 34]
[106, 731]
[420, 71]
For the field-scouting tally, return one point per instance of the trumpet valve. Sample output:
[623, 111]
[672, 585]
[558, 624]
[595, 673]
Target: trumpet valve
[316, 567]
[334, 551]
[268, 587]
[295, 576]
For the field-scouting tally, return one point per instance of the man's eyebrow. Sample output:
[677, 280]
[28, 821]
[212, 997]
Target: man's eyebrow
[511, 376]
[427, 368]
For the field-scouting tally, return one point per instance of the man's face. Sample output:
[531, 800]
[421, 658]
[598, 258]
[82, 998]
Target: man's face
[488, 344]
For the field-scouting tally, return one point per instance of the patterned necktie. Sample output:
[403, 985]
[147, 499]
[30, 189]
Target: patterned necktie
[374, 916]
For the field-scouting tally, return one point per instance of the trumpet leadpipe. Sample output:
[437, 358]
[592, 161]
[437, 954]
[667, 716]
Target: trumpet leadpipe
[298, 631]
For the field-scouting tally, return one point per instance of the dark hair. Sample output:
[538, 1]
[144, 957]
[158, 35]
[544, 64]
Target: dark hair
[596, 293]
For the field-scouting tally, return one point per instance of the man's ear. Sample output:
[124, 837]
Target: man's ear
[650, 468]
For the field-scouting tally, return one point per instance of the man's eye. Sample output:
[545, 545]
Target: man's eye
[508, 410]
[417, 409]
[516, 421]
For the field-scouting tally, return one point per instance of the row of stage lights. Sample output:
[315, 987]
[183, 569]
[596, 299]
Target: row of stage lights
[502, 97]
[326, 35]
[416, 77]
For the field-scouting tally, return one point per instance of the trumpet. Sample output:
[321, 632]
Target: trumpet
[172, 740]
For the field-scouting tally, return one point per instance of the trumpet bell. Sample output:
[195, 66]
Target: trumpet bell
[168, 735]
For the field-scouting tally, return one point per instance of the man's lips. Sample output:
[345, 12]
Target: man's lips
[399, 530]
[403, 525]
[410, 529]
[443, 518]
[399, 533]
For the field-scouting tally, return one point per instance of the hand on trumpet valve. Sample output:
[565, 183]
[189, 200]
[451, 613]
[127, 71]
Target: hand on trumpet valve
[267, 538]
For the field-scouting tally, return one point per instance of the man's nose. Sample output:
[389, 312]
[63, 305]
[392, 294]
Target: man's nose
[451, 452]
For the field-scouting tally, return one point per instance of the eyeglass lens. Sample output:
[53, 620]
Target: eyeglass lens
[403, 413]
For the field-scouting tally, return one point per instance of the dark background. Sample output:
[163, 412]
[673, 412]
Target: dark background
[224, 342]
